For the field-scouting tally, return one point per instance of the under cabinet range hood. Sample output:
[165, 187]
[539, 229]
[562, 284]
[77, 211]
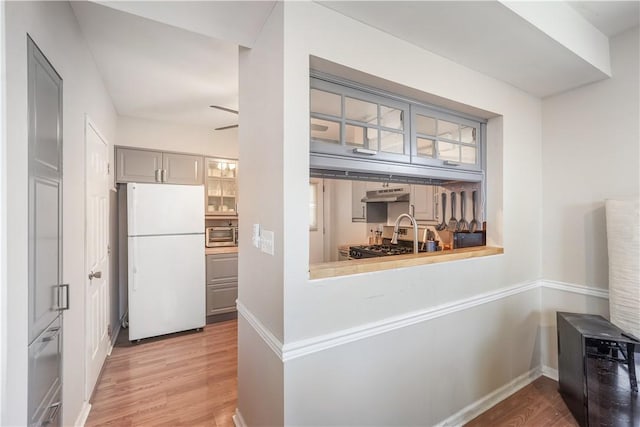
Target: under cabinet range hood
[397, 194]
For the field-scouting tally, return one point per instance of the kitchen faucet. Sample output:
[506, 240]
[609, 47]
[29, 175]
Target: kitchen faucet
[394, 239]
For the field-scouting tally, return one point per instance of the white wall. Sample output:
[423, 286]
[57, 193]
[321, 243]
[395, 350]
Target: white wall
[314, 308]
[53, 27]
[417, 375]
[160, 135]
[591, 152]
[3, 220]
[260, 276]
[318, 307]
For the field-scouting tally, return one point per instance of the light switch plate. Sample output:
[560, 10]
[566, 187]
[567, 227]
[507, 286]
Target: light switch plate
[267, 241]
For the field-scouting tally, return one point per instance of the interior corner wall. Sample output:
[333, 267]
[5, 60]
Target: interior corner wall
[261, 202]
[54, 28]
[590, 152]
[163, 135]
[555, 300]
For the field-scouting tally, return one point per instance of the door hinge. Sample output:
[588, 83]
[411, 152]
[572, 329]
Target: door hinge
[108, 168]
[108, 249]
[109, 330]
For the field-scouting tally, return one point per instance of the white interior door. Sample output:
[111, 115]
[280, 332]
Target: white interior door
[97, 255]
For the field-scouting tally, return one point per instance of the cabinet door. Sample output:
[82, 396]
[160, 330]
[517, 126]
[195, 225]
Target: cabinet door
[358, 207]
[423, 202]
[222, 268]
[221, 187]
[182, 169]
[138, 165]
[222, 299]
[44, 374]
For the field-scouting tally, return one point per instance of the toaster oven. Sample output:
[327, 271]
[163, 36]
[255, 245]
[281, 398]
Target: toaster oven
[221, 236]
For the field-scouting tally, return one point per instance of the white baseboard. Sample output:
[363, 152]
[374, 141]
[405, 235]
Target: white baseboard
[83, 415]
[550, 372]
[238, 421]
[479, 406]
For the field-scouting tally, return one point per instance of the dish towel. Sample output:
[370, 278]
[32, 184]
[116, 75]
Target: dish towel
[623, 241]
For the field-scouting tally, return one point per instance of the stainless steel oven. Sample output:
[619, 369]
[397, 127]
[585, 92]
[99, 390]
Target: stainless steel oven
[221, 236]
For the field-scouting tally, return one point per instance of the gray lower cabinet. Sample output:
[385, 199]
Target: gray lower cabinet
[141, 165]
[44, 376]
[222, 283]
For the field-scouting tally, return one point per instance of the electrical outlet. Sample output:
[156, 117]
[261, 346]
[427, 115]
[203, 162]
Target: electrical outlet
[267, 242]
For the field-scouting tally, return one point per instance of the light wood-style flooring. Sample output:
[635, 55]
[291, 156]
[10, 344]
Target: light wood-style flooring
[187, 379]
[538, 405]
[190, 379]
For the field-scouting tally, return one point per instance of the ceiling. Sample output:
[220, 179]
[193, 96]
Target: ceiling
[610, 17]
[170, 60]
[160, 72]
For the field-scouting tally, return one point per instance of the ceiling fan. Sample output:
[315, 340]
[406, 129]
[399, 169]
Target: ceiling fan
[228, 110]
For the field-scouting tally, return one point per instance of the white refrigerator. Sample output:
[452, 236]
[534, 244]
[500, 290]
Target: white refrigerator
[166, 261]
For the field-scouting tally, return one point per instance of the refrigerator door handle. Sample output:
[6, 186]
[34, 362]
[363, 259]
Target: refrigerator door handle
[132, 262]
[132, 214]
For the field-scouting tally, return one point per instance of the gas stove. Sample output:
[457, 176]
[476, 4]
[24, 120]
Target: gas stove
[371, 251]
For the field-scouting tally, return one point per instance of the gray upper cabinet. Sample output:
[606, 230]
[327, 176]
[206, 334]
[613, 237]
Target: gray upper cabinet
[139, 165]
[423, 202]
[182, 168]
[362, 129]
[358, 192]
[353, 123]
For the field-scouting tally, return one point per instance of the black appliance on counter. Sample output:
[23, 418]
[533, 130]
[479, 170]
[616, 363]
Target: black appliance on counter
[467, 239]
[597, 370]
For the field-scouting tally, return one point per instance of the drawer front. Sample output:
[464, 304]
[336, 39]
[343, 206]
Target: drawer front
[221, 300]
[50, 413]
[44, 373]
[222, 268]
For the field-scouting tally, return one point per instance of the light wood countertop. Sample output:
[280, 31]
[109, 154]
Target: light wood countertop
[221, 250]
[355, 266]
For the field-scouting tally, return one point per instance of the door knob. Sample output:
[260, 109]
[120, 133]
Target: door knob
[96, 275]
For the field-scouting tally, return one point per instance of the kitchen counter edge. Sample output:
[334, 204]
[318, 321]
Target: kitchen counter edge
[367, 265]
[221, 250]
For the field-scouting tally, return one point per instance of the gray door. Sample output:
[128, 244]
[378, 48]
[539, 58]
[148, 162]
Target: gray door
[46, 292]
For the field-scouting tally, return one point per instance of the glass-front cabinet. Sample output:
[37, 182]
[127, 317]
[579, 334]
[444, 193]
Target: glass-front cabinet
[355, 123]
[221, 187]
[440, 139]
[350, 121]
